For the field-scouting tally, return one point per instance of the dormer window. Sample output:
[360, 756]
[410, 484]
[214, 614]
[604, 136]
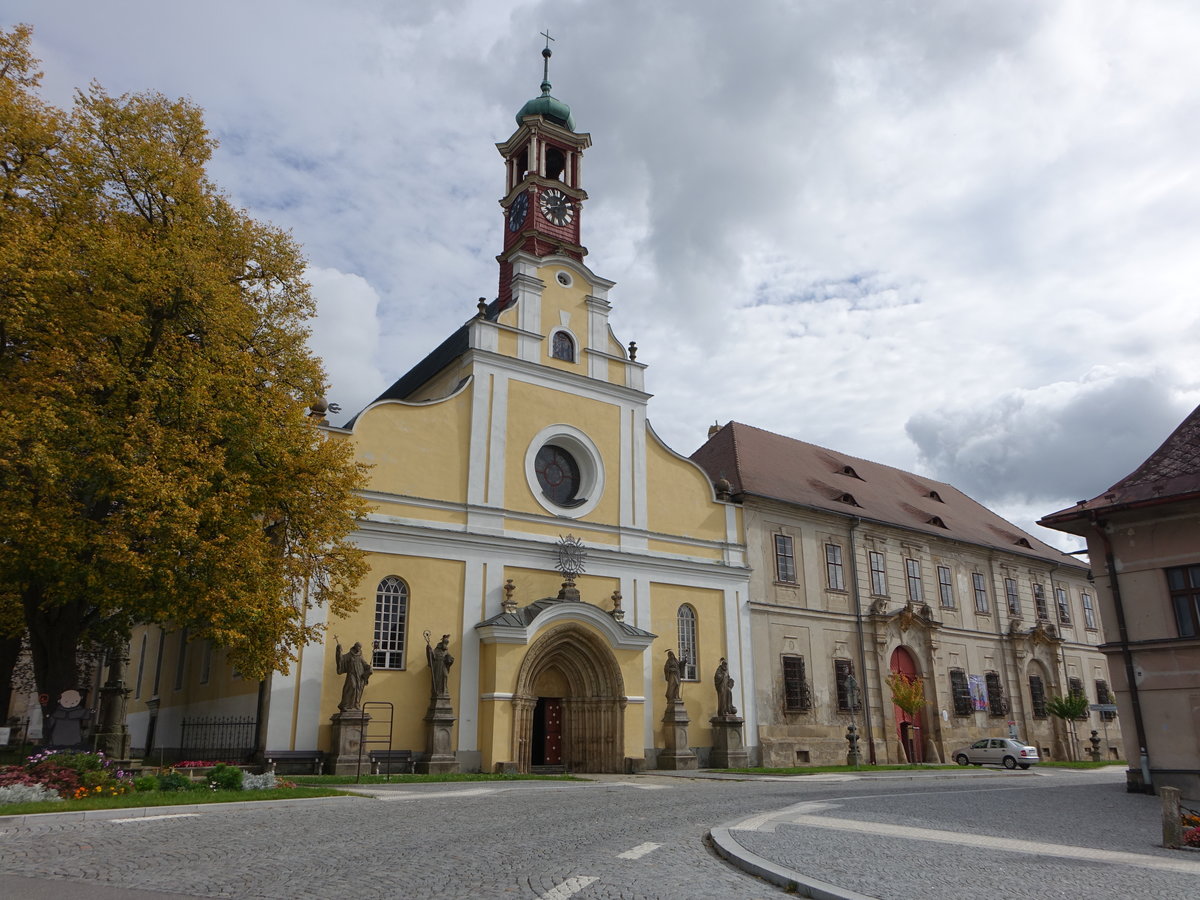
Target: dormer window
[1024, 542]
[849, 470]
[936, 521]
[934, 495]
[847, 498]
[562, 346]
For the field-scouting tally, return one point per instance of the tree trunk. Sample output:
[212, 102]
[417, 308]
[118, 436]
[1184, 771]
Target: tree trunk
[54, 636]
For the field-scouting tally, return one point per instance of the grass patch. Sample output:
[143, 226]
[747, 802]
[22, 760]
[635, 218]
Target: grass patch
[818, 770]
[421, 779]
[1081, 764]
[166, 798]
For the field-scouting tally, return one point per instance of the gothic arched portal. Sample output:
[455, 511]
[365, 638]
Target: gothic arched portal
[574, 662]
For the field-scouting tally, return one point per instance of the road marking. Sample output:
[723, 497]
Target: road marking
[421, 795]
[639, 851]
[569, 887]
[988, 842]
[768, 821]
[154, 818]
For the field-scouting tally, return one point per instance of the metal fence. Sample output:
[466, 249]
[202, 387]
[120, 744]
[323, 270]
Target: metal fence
[227, 739]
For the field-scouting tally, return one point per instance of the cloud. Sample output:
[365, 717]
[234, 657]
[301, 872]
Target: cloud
[1065, 441]
[345, 334]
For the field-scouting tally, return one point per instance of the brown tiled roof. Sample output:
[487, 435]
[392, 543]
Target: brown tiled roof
[1172, 472]
[770, 465]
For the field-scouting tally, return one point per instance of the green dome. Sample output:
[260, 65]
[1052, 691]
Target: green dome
[553, 109]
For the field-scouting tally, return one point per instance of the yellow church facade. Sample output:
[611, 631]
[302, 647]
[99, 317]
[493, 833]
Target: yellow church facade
[520, 503]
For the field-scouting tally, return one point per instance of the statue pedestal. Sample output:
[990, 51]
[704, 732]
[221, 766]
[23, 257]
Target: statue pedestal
[439, 747]
[676, 755]
[348, 730]
[728, 749]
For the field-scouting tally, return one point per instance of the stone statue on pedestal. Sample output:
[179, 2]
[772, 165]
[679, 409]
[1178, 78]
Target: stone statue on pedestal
[723, 682]
[672, 671]
[357, 671]
[440, 662]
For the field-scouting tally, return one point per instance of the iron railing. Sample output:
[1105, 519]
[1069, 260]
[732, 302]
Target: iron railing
[228, 739]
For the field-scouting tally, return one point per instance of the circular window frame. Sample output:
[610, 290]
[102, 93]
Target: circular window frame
[587, 457]
[563, 277]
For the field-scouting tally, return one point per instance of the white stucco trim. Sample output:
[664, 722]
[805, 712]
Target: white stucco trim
[591, 468]
[567, 611]
[497, 695]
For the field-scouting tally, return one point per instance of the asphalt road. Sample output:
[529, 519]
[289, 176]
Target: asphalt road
[936, 835]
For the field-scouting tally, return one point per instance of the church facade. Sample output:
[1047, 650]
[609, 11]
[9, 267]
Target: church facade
[522, 506]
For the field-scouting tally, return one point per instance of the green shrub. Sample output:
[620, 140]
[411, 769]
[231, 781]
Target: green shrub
[174, 781]
[145, 783]
[225, 778]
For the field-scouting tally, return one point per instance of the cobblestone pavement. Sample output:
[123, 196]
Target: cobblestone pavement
[641, 837]
[1053, 833]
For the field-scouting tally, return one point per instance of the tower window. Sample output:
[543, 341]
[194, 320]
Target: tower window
[562, 346]
[688, 669]
[556, 161]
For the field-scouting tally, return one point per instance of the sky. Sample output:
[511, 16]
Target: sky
[959, 238]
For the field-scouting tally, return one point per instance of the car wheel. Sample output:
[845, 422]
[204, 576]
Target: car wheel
[1009, 762]
[1025, 765]
[961, 759]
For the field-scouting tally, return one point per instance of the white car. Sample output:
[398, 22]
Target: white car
[998, 752]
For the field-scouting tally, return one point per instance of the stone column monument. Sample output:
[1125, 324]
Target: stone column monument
[728, 750]
[350, 722]
[677, 754]
[439, 719]
[112, 734]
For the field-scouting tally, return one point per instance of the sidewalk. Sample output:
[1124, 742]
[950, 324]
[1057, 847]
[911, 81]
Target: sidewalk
[1092, 840]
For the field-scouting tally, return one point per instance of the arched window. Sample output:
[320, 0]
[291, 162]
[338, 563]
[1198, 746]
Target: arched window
[391, 618]
[687, 644]
[562, 346]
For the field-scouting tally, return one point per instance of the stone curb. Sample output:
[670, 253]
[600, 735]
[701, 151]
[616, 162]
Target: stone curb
[139, 812]
[788, 879]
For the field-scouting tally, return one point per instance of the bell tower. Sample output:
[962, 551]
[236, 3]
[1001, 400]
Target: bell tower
[543, 187]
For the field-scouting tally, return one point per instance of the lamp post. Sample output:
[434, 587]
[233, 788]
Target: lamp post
[853, 755]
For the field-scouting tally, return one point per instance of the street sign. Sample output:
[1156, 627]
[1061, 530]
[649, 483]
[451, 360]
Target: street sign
[1103, 707]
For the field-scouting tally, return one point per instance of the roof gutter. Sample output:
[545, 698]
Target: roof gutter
[1054, 519]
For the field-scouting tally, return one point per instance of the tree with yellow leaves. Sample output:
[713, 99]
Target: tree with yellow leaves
[156, 463]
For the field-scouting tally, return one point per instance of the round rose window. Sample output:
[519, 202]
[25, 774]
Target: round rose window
[558, 475]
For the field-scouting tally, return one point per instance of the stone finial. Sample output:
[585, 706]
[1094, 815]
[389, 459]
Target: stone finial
[724, 489]
[509, 603]
[632, 351]
[482, 307]
[317, 410]
[617, 612]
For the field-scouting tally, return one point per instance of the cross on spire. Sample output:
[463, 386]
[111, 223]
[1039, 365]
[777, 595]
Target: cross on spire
[546, 54]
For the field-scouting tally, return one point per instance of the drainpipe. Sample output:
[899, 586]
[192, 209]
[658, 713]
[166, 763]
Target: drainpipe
[855, 521]
[1110, 565]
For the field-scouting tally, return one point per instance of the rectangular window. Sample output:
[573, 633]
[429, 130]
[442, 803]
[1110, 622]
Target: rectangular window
[162, 642]
[1184, 584]
[181, 660]
[981, 595]
[1075, 689]
[1037, 696]
[1089, 611]
[137, 685]
[945, 587]
[796, 696]
[785, 559]
[912, 572]
[843, 671]
[1103, 696]
[833, 567]
[878, 574]
[1064, 608]
[960, 691]
[1014, 600]
[997, 704]
[1039, 602]
[206, 659]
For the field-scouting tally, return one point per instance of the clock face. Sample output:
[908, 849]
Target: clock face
[517, 212]
[557, 207]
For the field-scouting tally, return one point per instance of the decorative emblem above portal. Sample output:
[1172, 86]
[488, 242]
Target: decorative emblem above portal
[571, 557]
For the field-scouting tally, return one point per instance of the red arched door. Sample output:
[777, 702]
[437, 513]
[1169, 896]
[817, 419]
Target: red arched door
[908, 727]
